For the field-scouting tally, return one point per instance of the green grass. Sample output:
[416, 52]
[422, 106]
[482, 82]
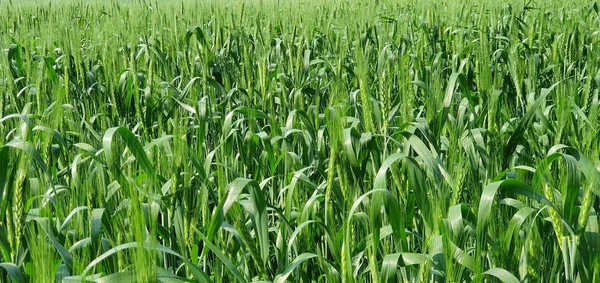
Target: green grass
[289, 141]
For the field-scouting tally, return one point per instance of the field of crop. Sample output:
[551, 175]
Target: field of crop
[288, 141]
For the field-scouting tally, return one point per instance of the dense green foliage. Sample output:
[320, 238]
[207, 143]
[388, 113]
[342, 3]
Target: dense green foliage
[338, 141]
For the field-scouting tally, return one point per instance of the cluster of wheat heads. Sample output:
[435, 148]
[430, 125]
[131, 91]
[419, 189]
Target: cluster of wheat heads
[314, 141]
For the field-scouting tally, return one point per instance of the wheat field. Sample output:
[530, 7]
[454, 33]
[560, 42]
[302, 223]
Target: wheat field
[299, 141]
